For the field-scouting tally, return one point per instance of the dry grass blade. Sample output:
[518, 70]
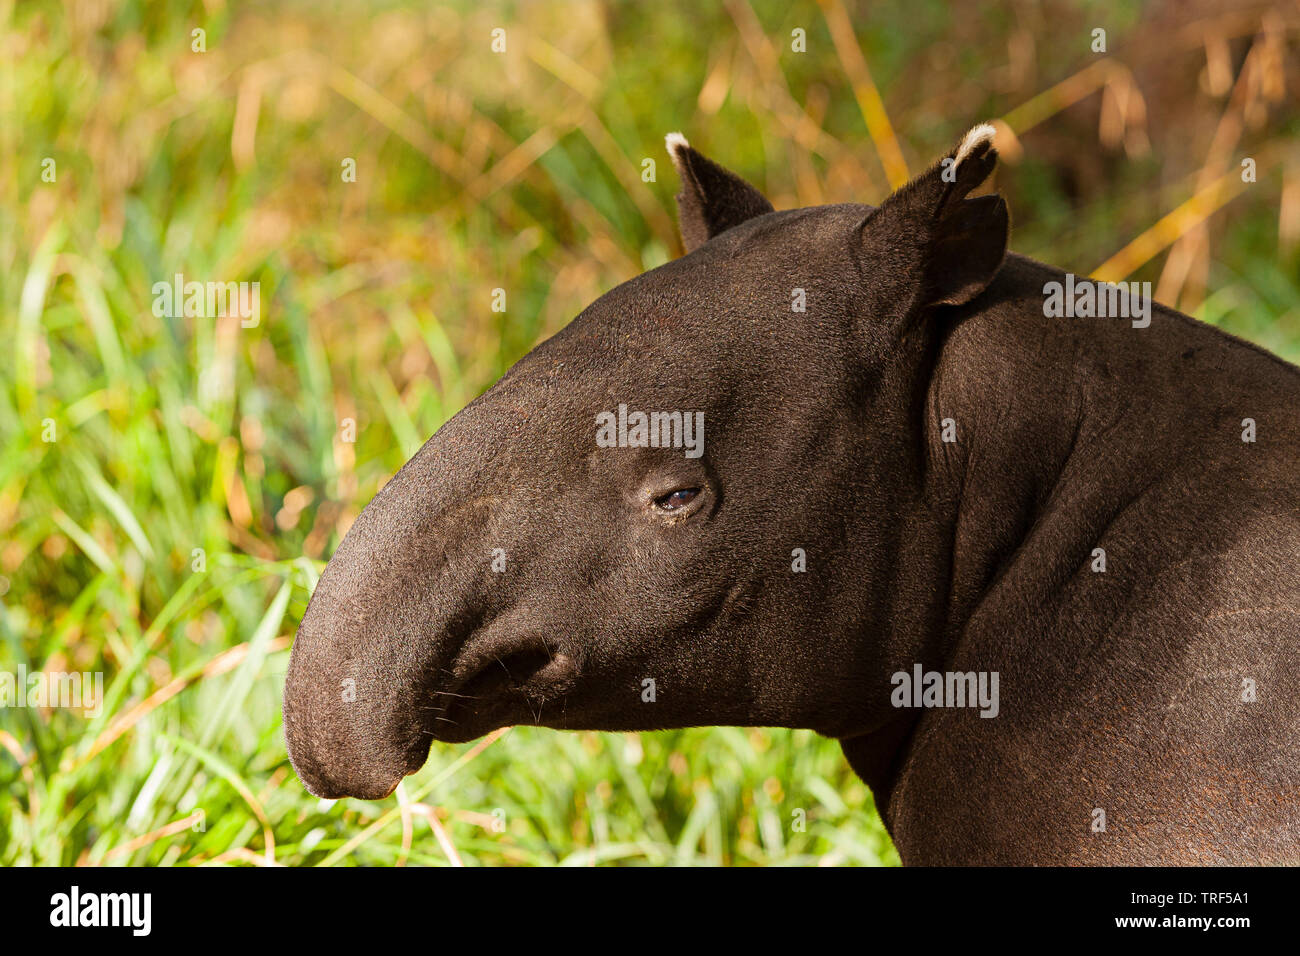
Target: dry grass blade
[439, 832]
[171, 829]
[879, 128]
[225, 661]
[388, 816]
[1056, 98]
[1170, 227]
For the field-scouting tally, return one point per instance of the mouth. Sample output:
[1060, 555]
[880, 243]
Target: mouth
[500, 685]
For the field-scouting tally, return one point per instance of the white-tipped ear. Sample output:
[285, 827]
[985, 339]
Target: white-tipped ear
[676, 144]
[941, 247]
[978, 136]
[712, 199]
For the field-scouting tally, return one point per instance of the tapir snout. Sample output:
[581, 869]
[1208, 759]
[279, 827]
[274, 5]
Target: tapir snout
[404, 623]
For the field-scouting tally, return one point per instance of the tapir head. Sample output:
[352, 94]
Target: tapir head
[684, 509]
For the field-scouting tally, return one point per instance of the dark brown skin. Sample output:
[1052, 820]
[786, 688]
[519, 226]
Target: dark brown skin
[1120, 691]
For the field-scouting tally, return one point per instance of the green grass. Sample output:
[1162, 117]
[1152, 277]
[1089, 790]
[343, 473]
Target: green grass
[172, 435]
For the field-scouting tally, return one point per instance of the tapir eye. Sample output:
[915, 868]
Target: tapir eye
[676, 499]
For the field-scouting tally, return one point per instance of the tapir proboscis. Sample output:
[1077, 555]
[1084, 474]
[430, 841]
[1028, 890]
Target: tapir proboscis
[853, 469]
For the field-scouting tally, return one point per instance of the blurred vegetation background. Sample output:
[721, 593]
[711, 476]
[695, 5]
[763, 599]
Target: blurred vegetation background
[475, 170]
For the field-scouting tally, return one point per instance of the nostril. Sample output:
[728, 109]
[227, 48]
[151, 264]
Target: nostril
[512, 669]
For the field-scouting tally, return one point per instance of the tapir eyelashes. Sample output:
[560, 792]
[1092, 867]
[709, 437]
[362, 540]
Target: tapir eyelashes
[676, 499]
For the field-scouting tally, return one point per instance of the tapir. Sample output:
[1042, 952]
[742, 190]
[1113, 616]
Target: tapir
[843, 468]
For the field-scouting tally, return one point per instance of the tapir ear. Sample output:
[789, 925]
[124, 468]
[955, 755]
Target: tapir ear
[712, 199]
[945, 247]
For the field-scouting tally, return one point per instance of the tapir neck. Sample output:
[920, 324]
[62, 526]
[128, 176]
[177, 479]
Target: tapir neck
[1016, 485]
